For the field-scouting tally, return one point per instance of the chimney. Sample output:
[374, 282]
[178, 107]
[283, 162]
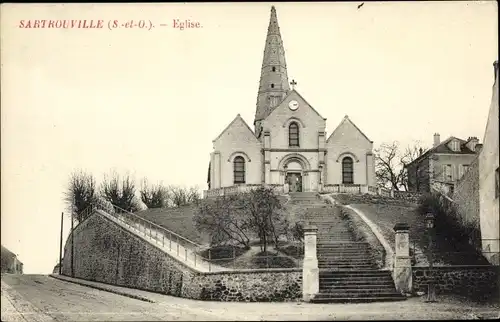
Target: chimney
[437, 139]
[471, 143]
[420, 151]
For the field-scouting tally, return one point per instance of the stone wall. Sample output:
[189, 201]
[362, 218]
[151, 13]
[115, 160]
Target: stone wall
[465, 280]
[108, 253]
[466, 195]
[408, 196]
[255, 286]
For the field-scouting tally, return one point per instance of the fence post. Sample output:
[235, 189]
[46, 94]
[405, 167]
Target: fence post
[170, 240]
[402, 273]
[177, 245]
[310, 270]
[186, 252]
[163, 239]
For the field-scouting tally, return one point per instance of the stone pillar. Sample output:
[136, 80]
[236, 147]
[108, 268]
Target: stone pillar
[402, 273]
[310, 270]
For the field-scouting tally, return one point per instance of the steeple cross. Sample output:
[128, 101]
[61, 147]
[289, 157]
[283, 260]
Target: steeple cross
[293, 83]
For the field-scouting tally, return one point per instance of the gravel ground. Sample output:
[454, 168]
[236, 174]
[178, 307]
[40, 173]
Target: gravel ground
[58, 300]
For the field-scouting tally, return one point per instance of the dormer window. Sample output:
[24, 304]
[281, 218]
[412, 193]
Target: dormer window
[455, 145]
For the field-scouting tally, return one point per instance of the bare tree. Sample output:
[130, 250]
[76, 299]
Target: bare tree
[120, 192]
[391, 161]
[266, 216]
[80, 194]
[181, 196]
[154, 196]
[224, 220]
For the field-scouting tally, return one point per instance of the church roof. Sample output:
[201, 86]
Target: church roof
[238, 117]
[273, 78]
[302, 98]
[347, 119]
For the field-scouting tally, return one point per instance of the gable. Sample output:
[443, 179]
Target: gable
[347, 130]
[238, 129]
[283, 112]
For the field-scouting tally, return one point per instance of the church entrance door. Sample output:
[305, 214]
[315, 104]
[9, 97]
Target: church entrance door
[294, 181]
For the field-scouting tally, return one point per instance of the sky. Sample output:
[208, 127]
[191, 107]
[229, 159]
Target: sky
[150, 102]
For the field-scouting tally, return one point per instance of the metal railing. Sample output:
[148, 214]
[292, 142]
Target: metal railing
[193, 254]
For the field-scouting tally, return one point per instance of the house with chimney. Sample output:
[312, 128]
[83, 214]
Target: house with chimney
[443, 165]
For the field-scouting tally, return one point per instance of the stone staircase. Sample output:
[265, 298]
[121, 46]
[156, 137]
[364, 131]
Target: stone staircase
[347, 270]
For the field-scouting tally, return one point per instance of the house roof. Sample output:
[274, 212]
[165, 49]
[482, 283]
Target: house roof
[7, 252]
[347, 119]
[238, 117]
[444, 148]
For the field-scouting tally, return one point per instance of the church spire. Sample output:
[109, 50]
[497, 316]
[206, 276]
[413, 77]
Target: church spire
[273, 76]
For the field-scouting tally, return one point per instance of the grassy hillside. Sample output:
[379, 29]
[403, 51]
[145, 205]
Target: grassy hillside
[179, 220]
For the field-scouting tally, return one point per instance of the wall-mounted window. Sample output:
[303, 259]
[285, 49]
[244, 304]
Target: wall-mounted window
[293, 135]
[239, 170]
[272, 85]
[347, 170]
[447, 173]
[462, 170]
[274, 69]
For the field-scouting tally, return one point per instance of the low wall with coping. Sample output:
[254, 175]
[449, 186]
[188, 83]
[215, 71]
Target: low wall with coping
[465, 280]
[109, 253]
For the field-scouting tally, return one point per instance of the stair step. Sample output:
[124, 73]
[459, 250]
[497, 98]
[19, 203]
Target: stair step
[358, 293]
[333, 299]
[356, 280]
[348, 287]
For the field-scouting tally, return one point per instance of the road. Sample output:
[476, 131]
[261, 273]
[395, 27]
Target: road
[42, 298]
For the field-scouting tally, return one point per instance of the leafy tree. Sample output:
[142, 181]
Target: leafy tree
[120, 192]
[154, 196]
[80, 193]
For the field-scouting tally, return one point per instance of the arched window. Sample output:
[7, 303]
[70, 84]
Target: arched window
[293, 134]
[347, 171]
[239, 170]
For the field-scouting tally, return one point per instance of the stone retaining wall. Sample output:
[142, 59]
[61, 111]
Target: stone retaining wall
[465, 280]
[466, 195]
[108, 253]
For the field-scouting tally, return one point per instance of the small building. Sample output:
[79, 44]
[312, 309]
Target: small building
[489, 186]
[10, 263]
[443, 165]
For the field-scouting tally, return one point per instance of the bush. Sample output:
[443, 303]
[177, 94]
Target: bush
[295, 251]
[449, 230]
[269, 259]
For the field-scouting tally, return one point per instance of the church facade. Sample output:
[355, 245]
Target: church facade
[288, 148]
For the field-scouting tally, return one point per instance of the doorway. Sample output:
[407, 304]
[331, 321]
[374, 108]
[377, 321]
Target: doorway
[294, 180]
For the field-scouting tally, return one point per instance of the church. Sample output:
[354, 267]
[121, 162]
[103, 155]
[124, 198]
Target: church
[288, 148]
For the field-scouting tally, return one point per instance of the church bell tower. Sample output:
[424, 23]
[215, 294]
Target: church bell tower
[273, 85]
